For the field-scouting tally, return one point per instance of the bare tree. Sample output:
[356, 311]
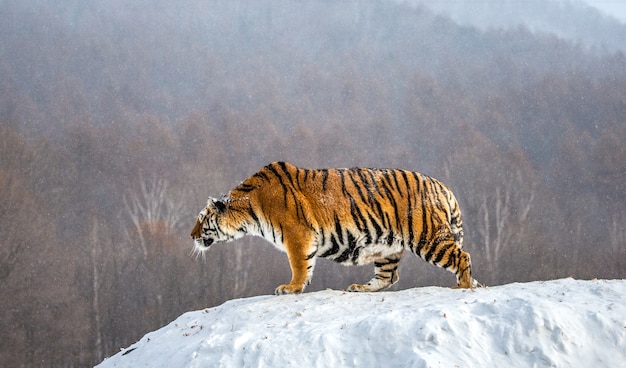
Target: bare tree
[503, 215]
[19, 215]
[617, 232]
[149, 209]
[617, 242]
[154, 222]
[95, 274]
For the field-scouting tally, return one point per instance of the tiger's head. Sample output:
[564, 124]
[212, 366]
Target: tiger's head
[214, 224]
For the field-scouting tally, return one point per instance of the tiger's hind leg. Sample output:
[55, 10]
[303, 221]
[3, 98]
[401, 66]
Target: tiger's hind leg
[446, 252]
[385, 274]
[464, 271]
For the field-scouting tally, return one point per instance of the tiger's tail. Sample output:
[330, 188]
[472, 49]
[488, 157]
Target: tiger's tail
[456, 221]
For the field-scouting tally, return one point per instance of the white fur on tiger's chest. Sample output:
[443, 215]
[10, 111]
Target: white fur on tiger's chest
[271, 235]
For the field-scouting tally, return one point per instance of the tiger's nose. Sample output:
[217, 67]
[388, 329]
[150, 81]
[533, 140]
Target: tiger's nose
[208, 242]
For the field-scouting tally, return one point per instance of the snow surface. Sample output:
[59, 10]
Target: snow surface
[561, 323]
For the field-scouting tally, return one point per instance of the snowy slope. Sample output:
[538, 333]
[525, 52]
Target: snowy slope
[562, 323]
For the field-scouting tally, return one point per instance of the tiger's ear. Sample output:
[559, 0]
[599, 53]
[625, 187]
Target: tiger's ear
[218, 204]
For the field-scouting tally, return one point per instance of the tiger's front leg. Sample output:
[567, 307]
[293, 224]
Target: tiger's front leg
[298, 282]
[301, 269]
[385, 274]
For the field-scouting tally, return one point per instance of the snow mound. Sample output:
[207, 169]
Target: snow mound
[562, 323]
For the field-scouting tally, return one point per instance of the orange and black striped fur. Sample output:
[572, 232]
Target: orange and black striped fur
[352, 216]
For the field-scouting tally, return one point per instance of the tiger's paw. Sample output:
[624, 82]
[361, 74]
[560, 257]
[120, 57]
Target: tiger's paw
[372, 285]
[288, 289]
[361, 288]
[473, 285]
[355, 288]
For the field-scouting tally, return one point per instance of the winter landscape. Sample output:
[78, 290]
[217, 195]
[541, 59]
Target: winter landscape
[119, 118]
[561, 323]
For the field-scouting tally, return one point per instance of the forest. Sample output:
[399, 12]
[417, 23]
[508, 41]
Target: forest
[118, 119]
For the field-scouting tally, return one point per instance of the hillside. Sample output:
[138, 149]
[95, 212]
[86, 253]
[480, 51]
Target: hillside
[118, 119]
[561, 323]
[573, 20]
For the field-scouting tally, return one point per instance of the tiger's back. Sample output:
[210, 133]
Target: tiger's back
[354, 216]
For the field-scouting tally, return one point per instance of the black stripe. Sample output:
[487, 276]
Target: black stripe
[245, 188]
[298, 181]
[386, 179]
[452, 259]
[273, 232]
[396, 183]
[367, 185]
[255, 219]
[280, 180]
[306, 174]
[381, 214]
[377, 228]
[425, 228]
[324, 179]
[438, 194]
[290, 189]
[283, 166]
[300, 210]
[359, 220]
[442, 253]
[338, 229]
[389, 222]
[431, 252]
[387, 185]
[333, 250]
[389, 194]
[261, 175]
[358, 188]
[409, 214]
[373, 176]
[354, 250]
[343, 182]
[355, 255]
[349, 251]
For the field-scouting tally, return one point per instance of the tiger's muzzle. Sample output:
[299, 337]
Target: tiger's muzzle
[203, 244]
[207, 242]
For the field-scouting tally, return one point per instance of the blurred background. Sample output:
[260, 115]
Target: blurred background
[118, 119]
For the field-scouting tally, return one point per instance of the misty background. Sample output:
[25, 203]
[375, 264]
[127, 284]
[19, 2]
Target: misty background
[119, 119]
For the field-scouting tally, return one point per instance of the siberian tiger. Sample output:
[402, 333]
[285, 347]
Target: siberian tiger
[352, 216]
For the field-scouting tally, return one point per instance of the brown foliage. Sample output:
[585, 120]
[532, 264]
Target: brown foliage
[105, 106]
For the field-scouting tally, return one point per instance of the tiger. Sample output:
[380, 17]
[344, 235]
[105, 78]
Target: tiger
[353, 216]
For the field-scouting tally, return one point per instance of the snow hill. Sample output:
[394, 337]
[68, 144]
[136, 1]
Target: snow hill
[561, 323]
